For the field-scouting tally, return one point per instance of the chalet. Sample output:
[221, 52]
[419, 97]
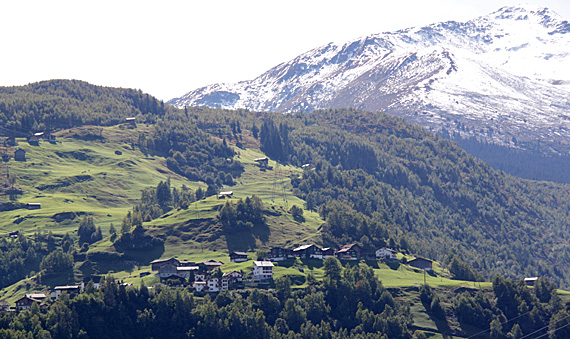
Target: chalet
[305, 166]
[167, 270]
[131, 120]
[262, 270]
[386, 253]
[263, 162]
[308, 252]
[530, 281]
[25, 303]
[421, 263]
[350, 252]
[33, 205]
[327, 252]
[238, 256]
[233, 277]
[20, 155]
[155, 264]
[227, 194]
[58, 290]
[39, 135]
[210, 264]
[280, 253]
[13, 234]
[4, 306]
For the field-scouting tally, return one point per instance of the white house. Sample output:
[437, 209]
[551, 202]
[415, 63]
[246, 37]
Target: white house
[262, 270]
[385, 253]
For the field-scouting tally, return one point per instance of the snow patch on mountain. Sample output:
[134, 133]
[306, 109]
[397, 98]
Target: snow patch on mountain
[503, 77]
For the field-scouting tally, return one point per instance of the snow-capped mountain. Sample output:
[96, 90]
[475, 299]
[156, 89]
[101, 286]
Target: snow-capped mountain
[503, 77]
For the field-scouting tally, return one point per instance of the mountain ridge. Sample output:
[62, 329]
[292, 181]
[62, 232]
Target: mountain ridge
[470, 80]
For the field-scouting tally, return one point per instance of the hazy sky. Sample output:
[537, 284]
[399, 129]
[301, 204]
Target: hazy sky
[167, 48]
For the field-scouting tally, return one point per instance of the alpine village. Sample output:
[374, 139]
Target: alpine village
[123, 216]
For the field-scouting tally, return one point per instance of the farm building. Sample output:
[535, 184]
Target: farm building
[238, 256]
[33, 205]
[20, 155]
[421, 263]
[223, 195]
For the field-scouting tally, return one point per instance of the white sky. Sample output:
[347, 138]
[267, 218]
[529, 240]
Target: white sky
[167, 48]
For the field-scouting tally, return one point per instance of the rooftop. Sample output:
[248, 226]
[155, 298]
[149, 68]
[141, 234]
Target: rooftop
[263, 263]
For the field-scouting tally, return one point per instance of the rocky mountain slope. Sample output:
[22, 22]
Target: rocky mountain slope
[501, 78]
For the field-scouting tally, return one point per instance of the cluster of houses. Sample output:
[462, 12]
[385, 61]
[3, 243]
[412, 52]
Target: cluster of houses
[204, 277]
[347, 252]
[44, 300]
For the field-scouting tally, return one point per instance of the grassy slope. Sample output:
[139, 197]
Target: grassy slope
[115, 184]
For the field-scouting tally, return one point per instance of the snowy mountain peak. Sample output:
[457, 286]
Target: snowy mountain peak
[503, 78]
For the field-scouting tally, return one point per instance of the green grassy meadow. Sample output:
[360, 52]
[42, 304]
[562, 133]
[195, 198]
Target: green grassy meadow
[88, 178]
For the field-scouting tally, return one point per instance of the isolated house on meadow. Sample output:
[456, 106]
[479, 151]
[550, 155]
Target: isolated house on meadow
[34, 140]
[262, 162]
[20, 155]
[421, 263]
[227, 194]
[34, 205]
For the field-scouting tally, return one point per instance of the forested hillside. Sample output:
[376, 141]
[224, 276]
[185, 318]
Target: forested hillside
[56, 104]
[378, 180]
[375, 179]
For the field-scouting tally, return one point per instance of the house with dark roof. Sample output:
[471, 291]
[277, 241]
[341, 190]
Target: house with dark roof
[327, 252]
[308, 252]
[421, 263]
[238, 256]
[210, 264]
[26, 302]
[350, 252]
[155, 264]
[58, 290]
[280, 254]
[20, 154]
